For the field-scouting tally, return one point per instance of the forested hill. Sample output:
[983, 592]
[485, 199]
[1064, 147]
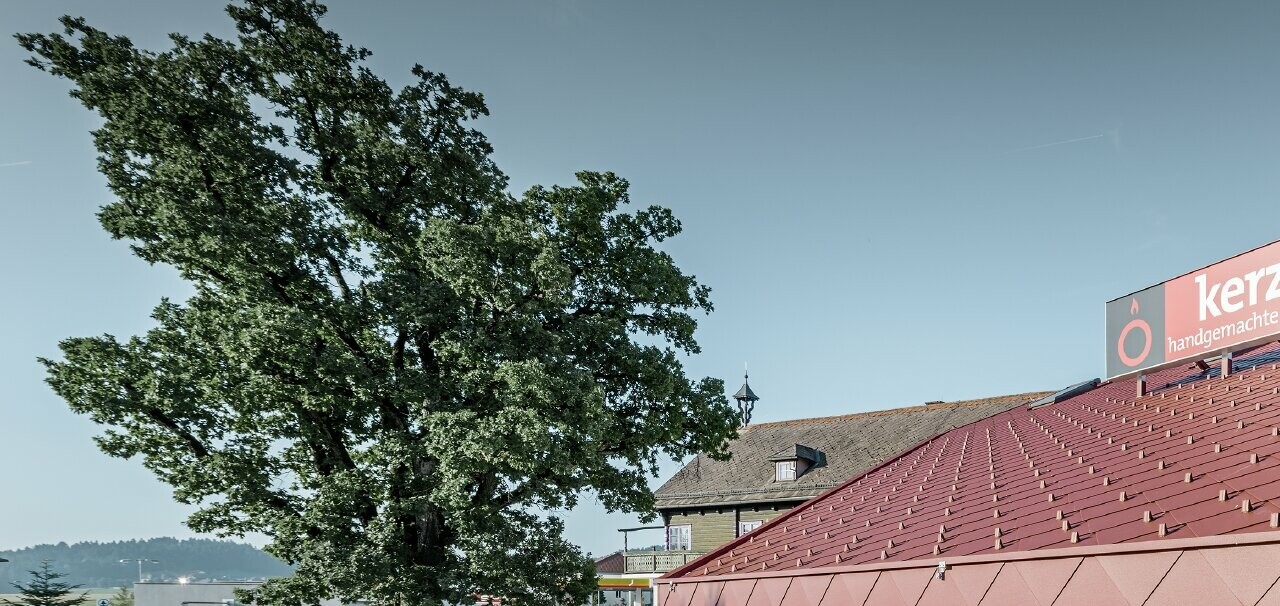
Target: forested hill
[98, 564]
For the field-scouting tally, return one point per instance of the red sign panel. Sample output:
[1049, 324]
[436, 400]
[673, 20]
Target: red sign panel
[1231, 304]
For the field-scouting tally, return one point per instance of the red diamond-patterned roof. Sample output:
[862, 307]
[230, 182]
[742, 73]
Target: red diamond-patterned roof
[1197, 456]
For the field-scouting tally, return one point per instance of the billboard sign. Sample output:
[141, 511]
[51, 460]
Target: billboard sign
[1228, 305]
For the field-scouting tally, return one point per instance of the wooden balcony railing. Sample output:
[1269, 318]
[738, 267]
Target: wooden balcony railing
[657, 561]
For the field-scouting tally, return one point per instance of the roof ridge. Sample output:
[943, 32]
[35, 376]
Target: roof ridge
[1031, 395]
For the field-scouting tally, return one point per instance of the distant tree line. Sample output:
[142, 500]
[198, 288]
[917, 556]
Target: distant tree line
[94, 564]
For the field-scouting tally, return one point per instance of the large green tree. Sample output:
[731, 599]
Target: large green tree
[390, 365]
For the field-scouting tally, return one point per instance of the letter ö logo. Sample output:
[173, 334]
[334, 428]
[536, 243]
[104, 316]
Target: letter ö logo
[1136, 331]
[1143, 332]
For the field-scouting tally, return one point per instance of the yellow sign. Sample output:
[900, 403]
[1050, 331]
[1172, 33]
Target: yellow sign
[618, 582]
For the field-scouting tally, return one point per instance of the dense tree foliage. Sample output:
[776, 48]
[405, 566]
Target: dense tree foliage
[45, 589]
[97, 564]
[391, 366]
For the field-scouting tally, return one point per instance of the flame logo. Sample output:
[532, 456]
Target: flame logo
[1134, 324]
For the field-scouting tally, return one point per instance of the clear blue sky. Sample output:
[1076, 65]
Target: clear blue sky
[894, 202]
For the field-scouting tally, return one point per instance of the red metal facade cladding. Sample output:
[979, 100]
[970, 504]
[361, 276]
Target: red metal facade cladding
[1169, 573]
[1195, 458]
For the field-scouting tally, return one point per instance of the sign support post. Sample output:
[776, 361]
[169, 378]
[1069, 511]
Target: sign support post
[1142, 384]
[1226, 364]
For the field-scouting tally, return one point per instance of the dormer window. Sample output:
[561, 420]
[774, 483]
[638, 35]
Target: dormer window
[791, 463]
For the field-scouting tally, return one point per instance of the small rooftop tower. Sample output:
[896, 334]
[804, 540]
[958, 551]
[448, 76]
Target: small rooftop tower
[746, 399]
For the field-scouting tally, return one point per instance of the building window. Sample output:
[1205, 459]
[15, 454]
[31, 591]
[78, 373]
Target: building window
[784, 471]
[745, 527]
[680, 538]
[791, 463]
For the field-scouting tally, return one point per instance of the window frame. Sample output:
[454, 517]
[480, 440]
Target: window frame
[790, 465]
[687, 531]
[754, 524]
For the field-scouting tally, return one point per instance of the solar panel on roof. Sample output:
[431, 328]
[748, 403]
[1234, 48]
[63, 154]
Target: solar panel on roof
[1064, 393]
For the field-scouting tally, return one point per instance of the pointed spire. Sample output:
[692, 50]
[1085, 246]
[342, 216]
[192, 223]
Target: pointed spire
[746, 398]
[744, 392]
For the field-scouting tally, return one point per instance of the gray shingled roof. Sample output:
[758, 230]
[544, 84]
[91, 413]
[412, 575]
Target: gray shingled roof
[851, 443]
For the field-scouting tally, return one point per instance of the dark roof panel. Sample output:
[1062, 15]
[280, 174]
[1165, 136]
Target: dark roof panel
[1064, 393]
[798, 451]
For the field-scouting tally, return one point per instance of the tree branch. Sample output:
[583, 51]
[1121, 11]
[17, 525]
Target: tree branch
[335, 271]
[193, 443]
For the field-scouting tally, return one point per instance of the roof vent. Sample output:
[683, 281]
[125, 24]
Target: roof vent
[1064, 393]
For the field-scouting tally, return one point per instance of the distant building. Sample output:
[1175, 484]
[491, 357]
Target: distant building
[774, 467]
[616, 587]
[196, 594]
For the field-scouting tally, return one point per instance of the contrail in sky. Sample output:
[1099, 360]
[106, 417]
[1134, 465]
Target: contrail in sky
[8, 164]
[1057, 143]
